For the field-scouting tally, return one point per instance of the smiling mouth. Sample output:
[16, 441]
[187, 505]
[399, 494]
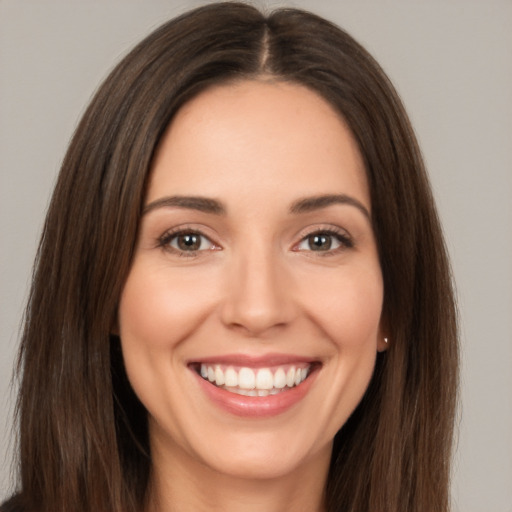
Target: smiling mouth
[265, 381]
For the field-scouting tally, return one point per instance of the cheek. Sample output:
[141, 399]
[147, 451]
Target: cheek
[348, 310]
[347, 306]
[158, 309]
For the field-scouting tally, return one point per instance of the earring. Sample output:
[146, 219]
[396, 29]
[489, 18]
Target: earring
[386, 341]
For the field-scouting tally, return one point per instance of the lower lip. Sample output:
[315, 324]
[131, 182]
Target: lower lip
[256, 406]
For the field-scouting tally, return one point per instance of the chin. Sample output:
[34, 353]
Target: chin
[261, 458]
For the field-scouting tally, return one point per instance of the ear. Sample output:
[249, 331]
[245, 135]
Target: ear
[384, 338]
[382, 344]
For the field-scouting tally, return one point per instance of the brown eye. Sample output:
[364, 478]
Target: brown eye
[188, 242]
[319, 242]
[325, 241]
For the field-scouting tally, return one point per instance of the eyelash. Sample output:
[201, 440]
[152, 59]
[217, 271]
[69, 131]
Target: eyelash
[339, 235]
[167, 238]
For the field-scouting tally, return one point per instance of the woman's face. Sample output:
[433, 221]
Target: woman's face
[256, 273]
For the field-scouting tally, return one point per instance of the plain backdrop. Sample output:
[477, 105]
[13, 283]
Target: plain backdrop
[451, 61]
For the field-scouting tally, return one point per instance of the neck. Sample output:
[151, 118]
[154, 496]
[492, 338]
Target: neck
[185, 484]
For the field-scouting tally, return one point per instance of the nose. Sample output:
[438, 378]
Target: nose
[259, 294]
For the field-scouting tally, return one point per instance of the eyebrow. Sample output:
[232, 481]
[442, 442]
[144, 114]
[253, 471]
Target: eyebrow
[309, 204]
[202, 204]
[213, 206]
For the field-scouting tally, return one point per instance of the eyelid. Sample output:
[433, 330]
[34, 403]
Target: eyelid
[342, 235]
[165, 239]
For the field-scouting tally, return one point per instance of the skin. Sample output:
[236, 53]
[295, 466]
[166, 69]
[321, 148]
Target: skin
[256, 286]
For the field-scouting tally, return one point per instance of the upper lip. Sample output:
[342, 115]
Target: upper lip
[253, 361]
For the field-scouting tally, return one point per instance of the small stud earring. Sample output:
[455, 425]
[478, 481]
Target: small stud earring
[385, 340]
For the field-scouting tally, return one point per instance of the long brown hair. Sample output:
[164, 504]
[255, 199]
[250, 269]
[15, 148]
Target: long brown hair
[83, 434]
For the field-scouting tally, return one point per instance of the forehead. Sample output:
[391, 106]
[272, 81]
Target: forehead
[258, 136]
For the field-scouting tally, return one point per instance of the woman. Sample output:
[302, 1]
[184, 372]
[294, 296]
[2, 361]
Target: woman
[242, 211]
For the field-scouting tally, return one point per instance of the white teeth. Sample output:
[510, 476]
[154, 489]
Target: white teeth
[264, 379]
[219, 376]
[249, 382]
[231, 377]
[246, 378]
[279, 379]
[290, 377]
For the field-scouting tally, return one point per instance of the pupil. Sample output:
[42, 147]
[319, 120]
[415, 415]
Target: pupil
[320, 242]
[188, 242]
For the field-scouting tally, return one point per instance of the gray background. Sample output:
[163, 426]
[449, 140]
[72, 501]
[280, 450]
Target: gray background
[451, 61]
